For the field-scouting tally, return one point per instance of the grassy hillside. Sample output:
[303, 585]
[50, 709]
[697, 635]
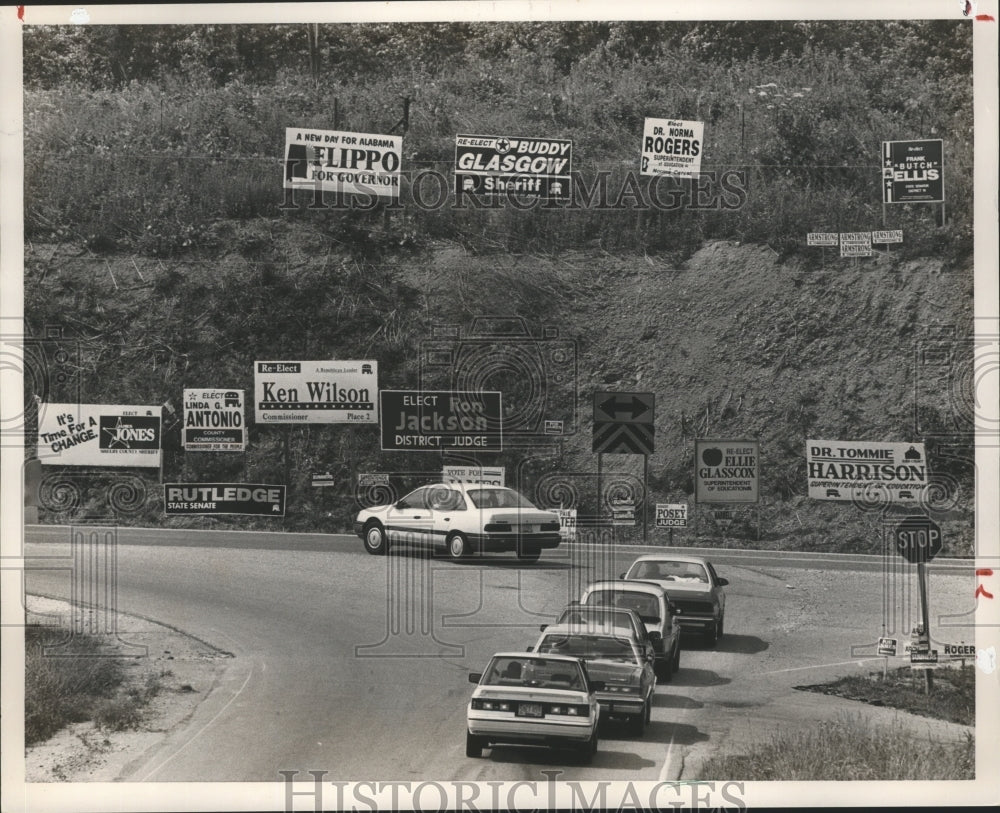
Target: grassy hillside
[167, 259]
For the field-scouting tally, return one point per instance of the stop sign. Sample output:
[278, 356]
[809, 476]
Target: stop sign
[918, 539]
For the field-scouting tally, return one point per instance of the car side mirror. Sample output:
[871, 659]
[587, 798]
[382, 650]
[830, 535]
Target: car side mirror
[542, 627]
[475, 677]
[597, 685]
[654, 636]
[723, 582]
[621, 575]
[575, 601]
[529, 649]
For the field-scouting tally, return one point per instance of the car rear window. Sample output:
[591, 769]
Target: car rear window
[643, 603]
[544, 673]
[498, 498]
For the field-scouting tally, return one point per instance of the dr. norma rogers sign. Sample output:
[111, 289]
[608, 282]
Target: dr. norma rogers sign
[861, 470]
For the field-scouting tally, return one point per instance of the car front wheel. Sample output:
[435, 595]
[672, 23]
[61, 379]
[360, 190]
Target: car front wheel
[473, 745]
[458, 547]
[375, 541]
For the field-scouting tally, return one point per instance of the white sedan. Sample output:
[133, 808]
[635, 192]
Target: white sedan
[463, 517]
[533, 700]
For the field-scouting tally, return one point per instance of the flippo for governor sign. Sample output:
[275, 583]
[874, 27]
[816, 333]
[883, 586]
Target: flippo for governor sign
[727, 471]
[213, 421]
[315, 391]
[348, 163]
[858, 470]
[521, 167]
[99, 435]
[672, 147]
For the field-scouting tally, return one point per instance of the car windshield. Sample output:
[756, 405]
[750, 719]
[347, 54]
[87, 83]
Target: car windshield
[544, 673]
[588, 647]
[669, 570]
[498, 498]
[581, 615]
[643, 603]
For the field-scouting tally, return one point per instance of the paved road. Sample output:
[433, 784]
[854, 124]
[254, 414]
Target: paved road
[358, 665]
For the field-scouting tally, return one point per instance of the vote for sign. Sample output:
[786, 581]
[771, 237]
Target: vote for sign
[671, 147]
[485, 475]
[514, 165]
[213, 421]
[341, 162]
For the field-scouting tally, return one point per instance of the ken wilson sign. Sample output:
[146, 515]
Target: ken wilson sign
[182, 499]
[99, 435]
[671, 147]
[519, 167]
[854, 470]
[343, 163]
[316, 391]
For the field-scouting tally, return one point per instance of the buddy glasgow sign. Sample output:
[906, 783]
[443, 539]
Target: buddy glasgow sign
[525, 167]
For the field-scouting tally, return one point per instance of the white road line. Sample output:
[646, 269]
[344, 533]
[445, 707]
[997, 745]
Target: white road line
[670, 747]
[819, 666]
[200, 730]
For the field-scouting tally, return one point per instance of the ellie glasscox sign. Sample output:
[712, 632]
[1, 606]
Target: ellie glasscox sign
[848, 470]
[224, 498]
[341, 162]
[330, 391]
[672, 147]
[521, 167]
[99, 435]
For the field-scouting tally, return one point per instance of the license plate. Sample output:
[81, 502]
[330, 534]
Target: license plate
[529, 710]
[530, 529]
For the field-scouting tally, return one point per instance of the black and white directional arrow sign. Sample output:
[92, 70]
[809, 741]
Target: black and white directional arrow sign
[623, 422]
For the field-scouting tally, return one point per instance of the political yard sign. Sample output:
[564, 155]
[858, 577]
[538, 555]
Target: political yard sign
[672, 147]
[344, 163]
[913, 171]
[484, 475]
[213, 420]
[727, 471]
[260, 499]
[330, 391]
[852, 470]
[522, 168]
[99, 435]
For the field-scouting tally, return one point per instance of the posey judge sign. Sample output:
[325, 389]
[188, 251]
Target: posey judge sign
[520, 167]
[851, 469]
[99, 435]
[351, 163]
[224, 498]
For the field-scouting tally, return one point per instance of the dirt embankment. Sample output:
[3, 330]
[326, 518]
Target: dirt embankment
[184, 669]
